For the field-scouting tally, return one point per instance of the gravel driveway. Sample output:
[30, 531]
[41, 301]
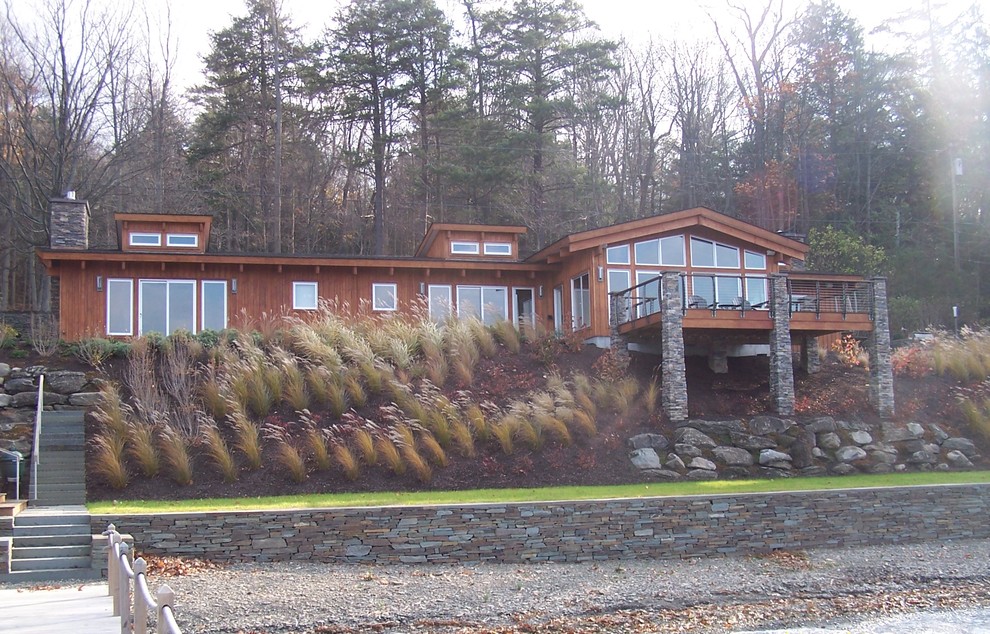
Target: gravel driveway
[696, 595]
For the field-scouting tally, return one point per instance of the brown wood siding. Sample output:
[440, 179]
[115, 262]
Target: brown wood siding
[440, 247]
[163, 228]
[268, 289]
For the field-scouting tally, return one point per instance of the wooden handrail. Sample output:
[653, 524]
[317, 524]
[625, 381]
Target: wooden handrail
[120, 572]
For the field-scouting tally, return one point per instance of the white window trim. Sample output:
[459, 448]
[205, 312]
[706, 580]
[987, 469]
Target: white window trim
[449, 299]
[608, 255]
[464, 248]
[157, 237]
[130, 307]
[515, 305]
[482, 288]
[295, 293]
[374, 297]
[628, 284]
[754, 268]
[498, 248]
[167, 282]
[195, 240]
[202, 302]
[645, 263]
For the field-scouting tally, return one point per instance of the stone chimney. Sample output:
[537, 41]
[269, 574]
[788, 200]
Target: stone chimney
[69, 222]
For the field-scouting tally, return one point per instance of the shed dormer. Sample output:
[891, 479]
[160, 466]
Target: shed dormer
[163, 233]
[471, 242]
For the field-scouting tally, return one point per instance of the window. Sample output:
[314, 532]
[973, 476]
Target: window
[498, 248]
[715, 289]
[464, 248]
[672, 251]
[756, 292]
[581, 301]
[488, 303]
[120, 307]
[711, 254]
[617, 255]
[755, 261]
[165, 306]
[648, 296]
[648, 252]
[214, 303]
[383, 297]
[726, 257]
[146, 239]
[619, 281]
[440, 303]
[304, 295]
[182, 240]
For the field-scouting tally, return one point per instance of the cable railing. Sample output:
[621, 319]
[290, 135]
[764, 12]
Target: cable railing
[36, 447]
[133, 612]
[741, 293]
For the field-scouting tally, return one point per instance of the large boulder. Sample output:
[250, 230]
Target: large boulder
[802, 449]
[16, 386]
[65, 381]
[849, 453]
[674, 463]
[958, 459]
[899, 433]
[766, 425]
[692, 436]
[753, 443]
[687, 451]
[860, 437]
[774, 458]
[733, 456]
[964, 445]
[701, 474]
[645, 458]
[85, 399]
[702, 463]
[821, 424]
[642, 441]
[829, 441]
[717, 427]
[30, 399]
[843, 468]
[922, 458]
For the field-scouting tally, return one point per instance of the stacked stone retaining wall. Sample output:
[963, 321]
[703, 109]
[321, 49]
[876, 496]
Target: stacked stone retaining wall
[670, 527]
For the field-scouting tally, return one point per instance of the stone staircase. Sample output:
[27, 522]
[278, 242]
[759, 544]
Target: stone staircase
[62, 467]
[51, 543]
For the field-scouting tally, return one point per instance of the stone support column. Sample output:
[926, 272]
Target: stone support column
[781, 363]
[673, 371]
[618, 343]
[810, 359]
[881, 369]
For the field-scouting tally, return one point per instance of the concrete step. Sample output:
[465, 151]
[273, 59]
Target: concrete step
[50, 530]
[64, 476]
[20, 551]
[62, 499]
[45, 541]
[70, 574]
[64, 416]
[50, 563]
[54, 517]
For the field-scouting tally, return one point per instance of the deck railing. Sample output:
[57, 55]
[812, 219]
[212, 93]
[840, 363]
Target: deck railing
[36, 447]
[134, 615]
[741, 293]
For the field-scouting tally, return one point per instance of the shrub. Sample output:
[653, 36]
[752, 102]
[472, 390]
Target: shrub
[211, 393]
[388, 455]
[108, 460]
[295, 393]
[247, 438]
[651, 397]
[8, 334]
[463, 371]
[110, 411]
[463, 440]
[291, 460]
[419, 467]
[218, 451]
[355, 391]
[433, 450]
[547, 425]
[348, 463]
[141, 448]
[624, 395]
[44, 335]
[476, 417]
[317, 446]
[437, 370]
[503, 432]
[176, 454]
[849, 351]
[507, 335]
[583, 423]
[95, 351]
[365, 444]
[483, 337]
[610, 367]
[437, 423]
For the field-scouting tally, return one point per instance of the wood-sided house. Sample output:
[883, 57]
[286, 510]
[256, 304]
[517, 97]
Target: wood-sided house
[690, 282]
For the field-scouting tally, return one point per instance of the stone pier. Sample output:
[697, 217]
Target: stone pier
[781, 363]
[881, 369]
[673, 370]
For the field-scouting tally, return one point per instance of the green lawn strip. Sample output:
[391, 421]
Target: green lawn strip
[549, 494]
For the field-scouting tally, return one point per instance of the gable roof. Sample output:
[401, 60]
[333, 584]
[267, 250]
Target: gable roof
[696, 217]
